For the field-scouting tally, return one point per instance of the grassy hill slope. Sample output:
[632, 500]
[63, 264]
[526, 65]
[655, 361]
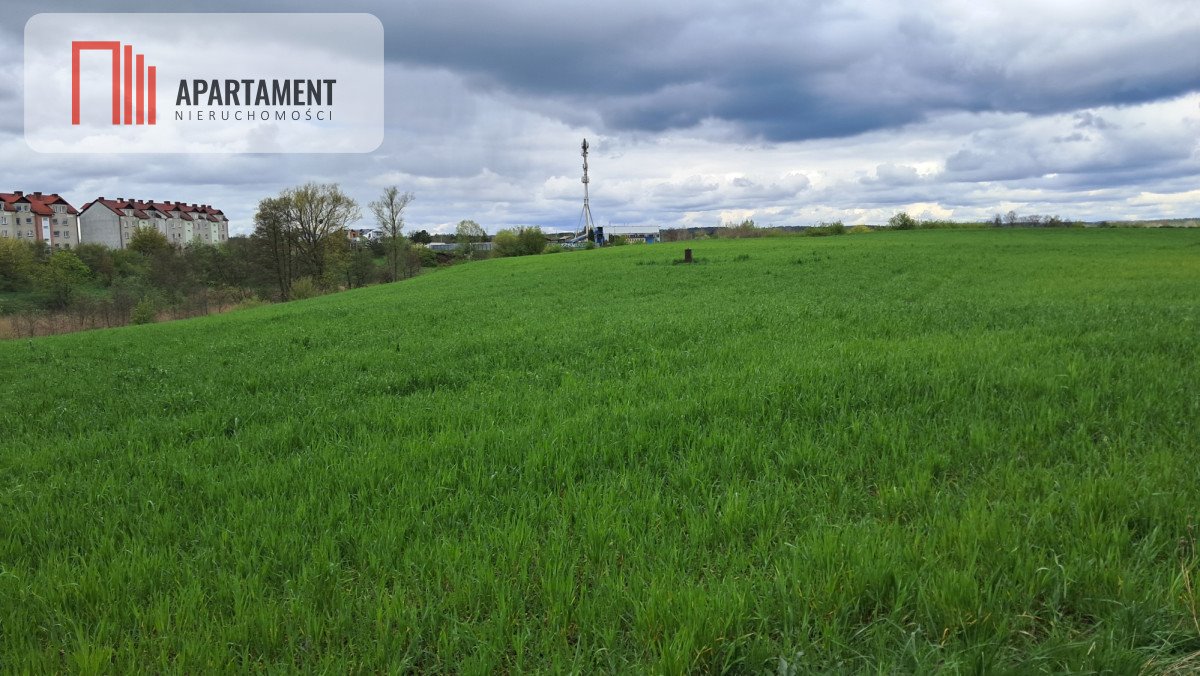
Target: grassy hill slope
[896, 450]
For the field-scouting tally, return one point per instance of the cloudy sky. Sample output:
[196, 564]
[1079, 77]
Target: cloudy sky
[699, 112]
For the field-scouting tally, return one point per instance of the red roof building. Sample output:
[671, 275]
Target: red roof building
[113, 221]
[39, 217]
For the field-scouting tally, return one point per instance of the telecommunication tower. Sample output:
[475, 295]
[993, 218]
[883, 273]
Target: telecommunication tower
[589, 228]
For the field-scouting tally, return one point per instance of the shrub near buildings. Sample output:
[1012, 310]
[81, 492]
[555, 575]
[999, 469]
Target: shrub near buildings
[16, 264]
[524, 241]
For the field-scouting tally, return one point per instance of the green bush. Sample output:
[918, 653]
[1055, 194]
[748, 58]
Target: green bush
[902, 221]
[746, 228]
[429, 257]
[305, 287]
[825, 229]
[250, 303]
[506, 244]
[61, 275]
[16, 264]
[144, 312]
[524, 241]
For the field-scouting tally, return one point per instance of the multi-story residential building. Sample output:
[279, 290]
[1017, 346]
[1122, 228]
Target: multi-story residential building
[39, 217]
[113, 222]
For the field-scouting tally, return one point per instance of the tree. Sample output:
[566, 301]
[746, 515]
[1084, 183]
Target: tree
[421, 237]
[162, 266]
[62, 273]
[506, 244]
[389, 214]
[243, 265]
[276, 239]
[148, 242]
[902, 221]
[338, 253]
[533, 240]
[99, 260]
[203, 263]
[376, 247]
[424, 257]
[16, 264]
[747, 228]
[144, 312]
[676, 235]
[466, 234]
[317, 212]
[360, 268]
[129, 265]
[520, 242]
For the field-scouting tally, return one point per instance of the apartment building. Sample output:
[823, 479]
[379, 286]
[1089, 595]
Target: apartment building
[39, 217]
[112, 222]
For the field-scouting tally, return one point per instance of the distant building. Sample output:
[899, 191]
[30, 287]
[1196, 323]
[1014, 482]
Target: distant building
[648, 234]
[113, 222]
[363, 235]
[39, 218]
[558, 237]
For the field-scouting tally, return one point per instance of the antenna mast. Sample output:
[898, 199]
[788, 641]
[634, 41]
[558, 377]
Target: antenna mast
[589, 228]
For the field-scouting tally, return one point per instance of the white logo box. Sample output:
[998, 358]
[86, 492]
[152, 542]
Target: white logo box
[284, 83]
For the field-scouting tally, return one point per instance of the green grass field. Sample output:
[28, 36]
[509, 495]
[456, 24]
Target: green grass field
[907, 451]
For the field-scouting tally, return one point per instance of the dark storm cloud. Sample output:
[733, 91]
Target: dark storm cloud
[784, 70]
[788, 71]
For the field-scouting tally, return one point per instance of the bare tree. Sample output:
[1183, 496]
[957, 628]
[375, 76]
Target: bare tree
[389, 214]
[275, 234]
[317, 212]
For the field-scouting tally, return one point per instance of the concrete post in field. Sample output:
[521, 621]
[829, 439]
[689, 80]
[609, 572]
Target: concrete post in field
[687, 255]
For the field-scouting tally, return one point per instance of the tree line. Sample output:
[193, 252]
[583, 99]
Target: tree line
[299, 248]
